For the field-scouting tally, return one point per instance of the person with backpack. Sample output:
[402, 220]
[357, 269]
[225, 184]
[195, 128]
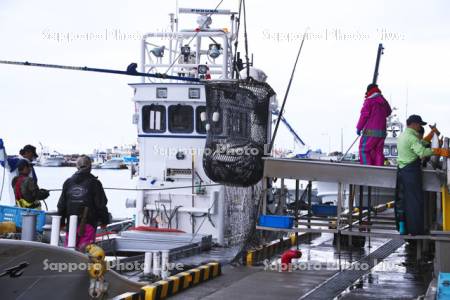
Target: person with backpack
[83, 195]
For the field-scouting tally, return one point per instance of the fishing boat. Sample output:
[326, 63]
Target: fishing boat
[115, 163]
[170, 119]
[180, 213]
[51, 159]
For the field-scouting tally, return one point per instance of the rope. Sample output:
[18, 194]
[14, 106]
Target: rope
[246, 41]
[238, 25]
[88, 69]
[154, 189]
[287, 93]
[3, 182]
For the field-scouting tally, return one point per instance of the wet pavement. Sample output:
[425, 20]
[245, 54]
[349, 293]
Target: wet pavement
[396, 277]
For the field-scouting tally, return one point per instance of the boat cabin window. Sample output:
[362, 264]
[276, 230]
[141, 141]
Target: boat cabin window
[200, 126]
[181, 118]
[216, 127]
[154, 118]
[386, 151]
[394, 150]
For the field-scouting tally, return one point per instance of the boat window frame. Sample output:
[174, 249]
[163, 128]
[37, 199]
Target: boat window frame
[146, 118]
[215, 127]
[200, 126]
[170, 111]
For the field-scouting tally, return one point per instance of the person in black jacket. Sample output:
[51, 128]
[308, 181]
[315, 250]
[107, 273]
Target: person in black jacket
[83, 195]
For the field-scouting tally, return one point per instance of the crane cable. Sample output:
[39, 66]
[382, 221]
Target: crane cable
[246, 40]
[280, 115]
[238, 25]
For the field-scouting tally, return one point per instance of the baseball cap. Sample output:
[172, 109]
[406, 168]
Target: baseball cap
[415, 119]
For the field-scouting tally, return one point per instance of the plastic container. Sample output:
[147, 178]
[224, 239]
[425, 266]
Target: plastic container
[14, 214]
[276, 221]
[324, 210]
[443, 288]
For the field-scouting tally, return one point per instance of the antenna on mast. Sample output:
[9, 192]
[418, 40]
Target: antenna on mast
[407, 100]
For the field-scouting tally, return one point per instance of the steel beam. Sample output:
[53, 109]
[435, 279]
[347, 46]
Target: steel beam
[346, 173]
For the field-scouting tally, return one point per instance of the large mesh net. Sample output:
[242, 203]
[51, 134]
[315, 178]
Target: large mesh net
[237, 119]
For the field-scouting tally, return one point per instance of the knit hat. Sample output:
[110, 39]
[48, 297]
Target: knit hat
[83, 162]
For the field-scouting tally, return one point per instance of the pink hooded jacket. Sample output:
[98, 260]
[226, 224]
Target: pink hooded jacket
[374, 113]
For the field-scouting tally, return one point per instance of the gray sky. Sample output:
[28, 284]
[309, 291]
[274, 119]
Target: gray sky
[77, 112]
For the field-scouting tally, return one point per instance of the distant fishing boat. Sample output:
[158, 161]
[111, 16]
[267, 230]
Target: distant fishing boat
[52, 160]
[113, 163]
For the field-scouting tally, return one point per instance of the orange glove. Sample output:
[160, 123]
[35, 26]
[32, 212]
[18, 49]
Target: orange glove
[434, 129]
[441, 152]
[429, 136]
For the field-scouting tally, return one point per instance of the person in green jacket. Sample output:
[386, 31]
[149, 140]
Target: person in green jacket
[411, 150]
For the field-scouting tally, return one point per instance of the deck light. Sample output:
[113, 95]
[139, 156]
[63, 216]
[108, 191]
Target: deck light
[204, 21]
[186, 51]
[202, 69]
[158, 51]
[214, 50]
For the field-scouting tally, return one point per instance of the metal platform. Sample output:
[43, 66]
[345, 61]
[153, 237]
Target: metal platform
[345, 173]
[365, 220]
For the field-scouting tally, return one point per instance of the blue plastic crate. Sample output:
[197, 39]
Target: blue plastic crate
[324, 210]
[443, 288]
[276, 221]
[14, 214]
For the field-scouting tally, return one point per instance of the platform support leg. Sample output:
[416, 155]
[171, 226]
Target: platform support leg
[445, 195]
[350, 212]
[338, 222]
[297, 196]
[369, 210]
[309, 187]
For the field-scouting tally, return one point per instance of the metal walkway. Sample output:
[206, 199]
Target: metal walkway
[341, 281]
[345, 173]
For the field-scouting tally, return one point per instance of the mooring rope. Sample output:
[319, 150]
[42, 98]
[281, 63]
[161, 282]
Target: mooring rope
[148, 189]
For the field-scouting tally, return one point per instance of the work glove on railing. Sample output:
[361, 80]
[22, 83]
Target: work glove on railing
[434, 129]
[441, 152]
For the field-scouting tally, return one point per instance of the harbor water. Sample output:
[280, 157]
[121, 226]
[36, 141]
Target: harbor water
[54, 177]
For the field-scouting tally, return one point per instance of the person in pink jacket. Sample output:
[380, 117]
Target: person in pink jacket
[372, 127]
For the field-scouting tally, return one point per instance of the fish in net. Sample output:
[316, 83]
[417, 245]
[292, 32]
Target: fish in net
[238, 130]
